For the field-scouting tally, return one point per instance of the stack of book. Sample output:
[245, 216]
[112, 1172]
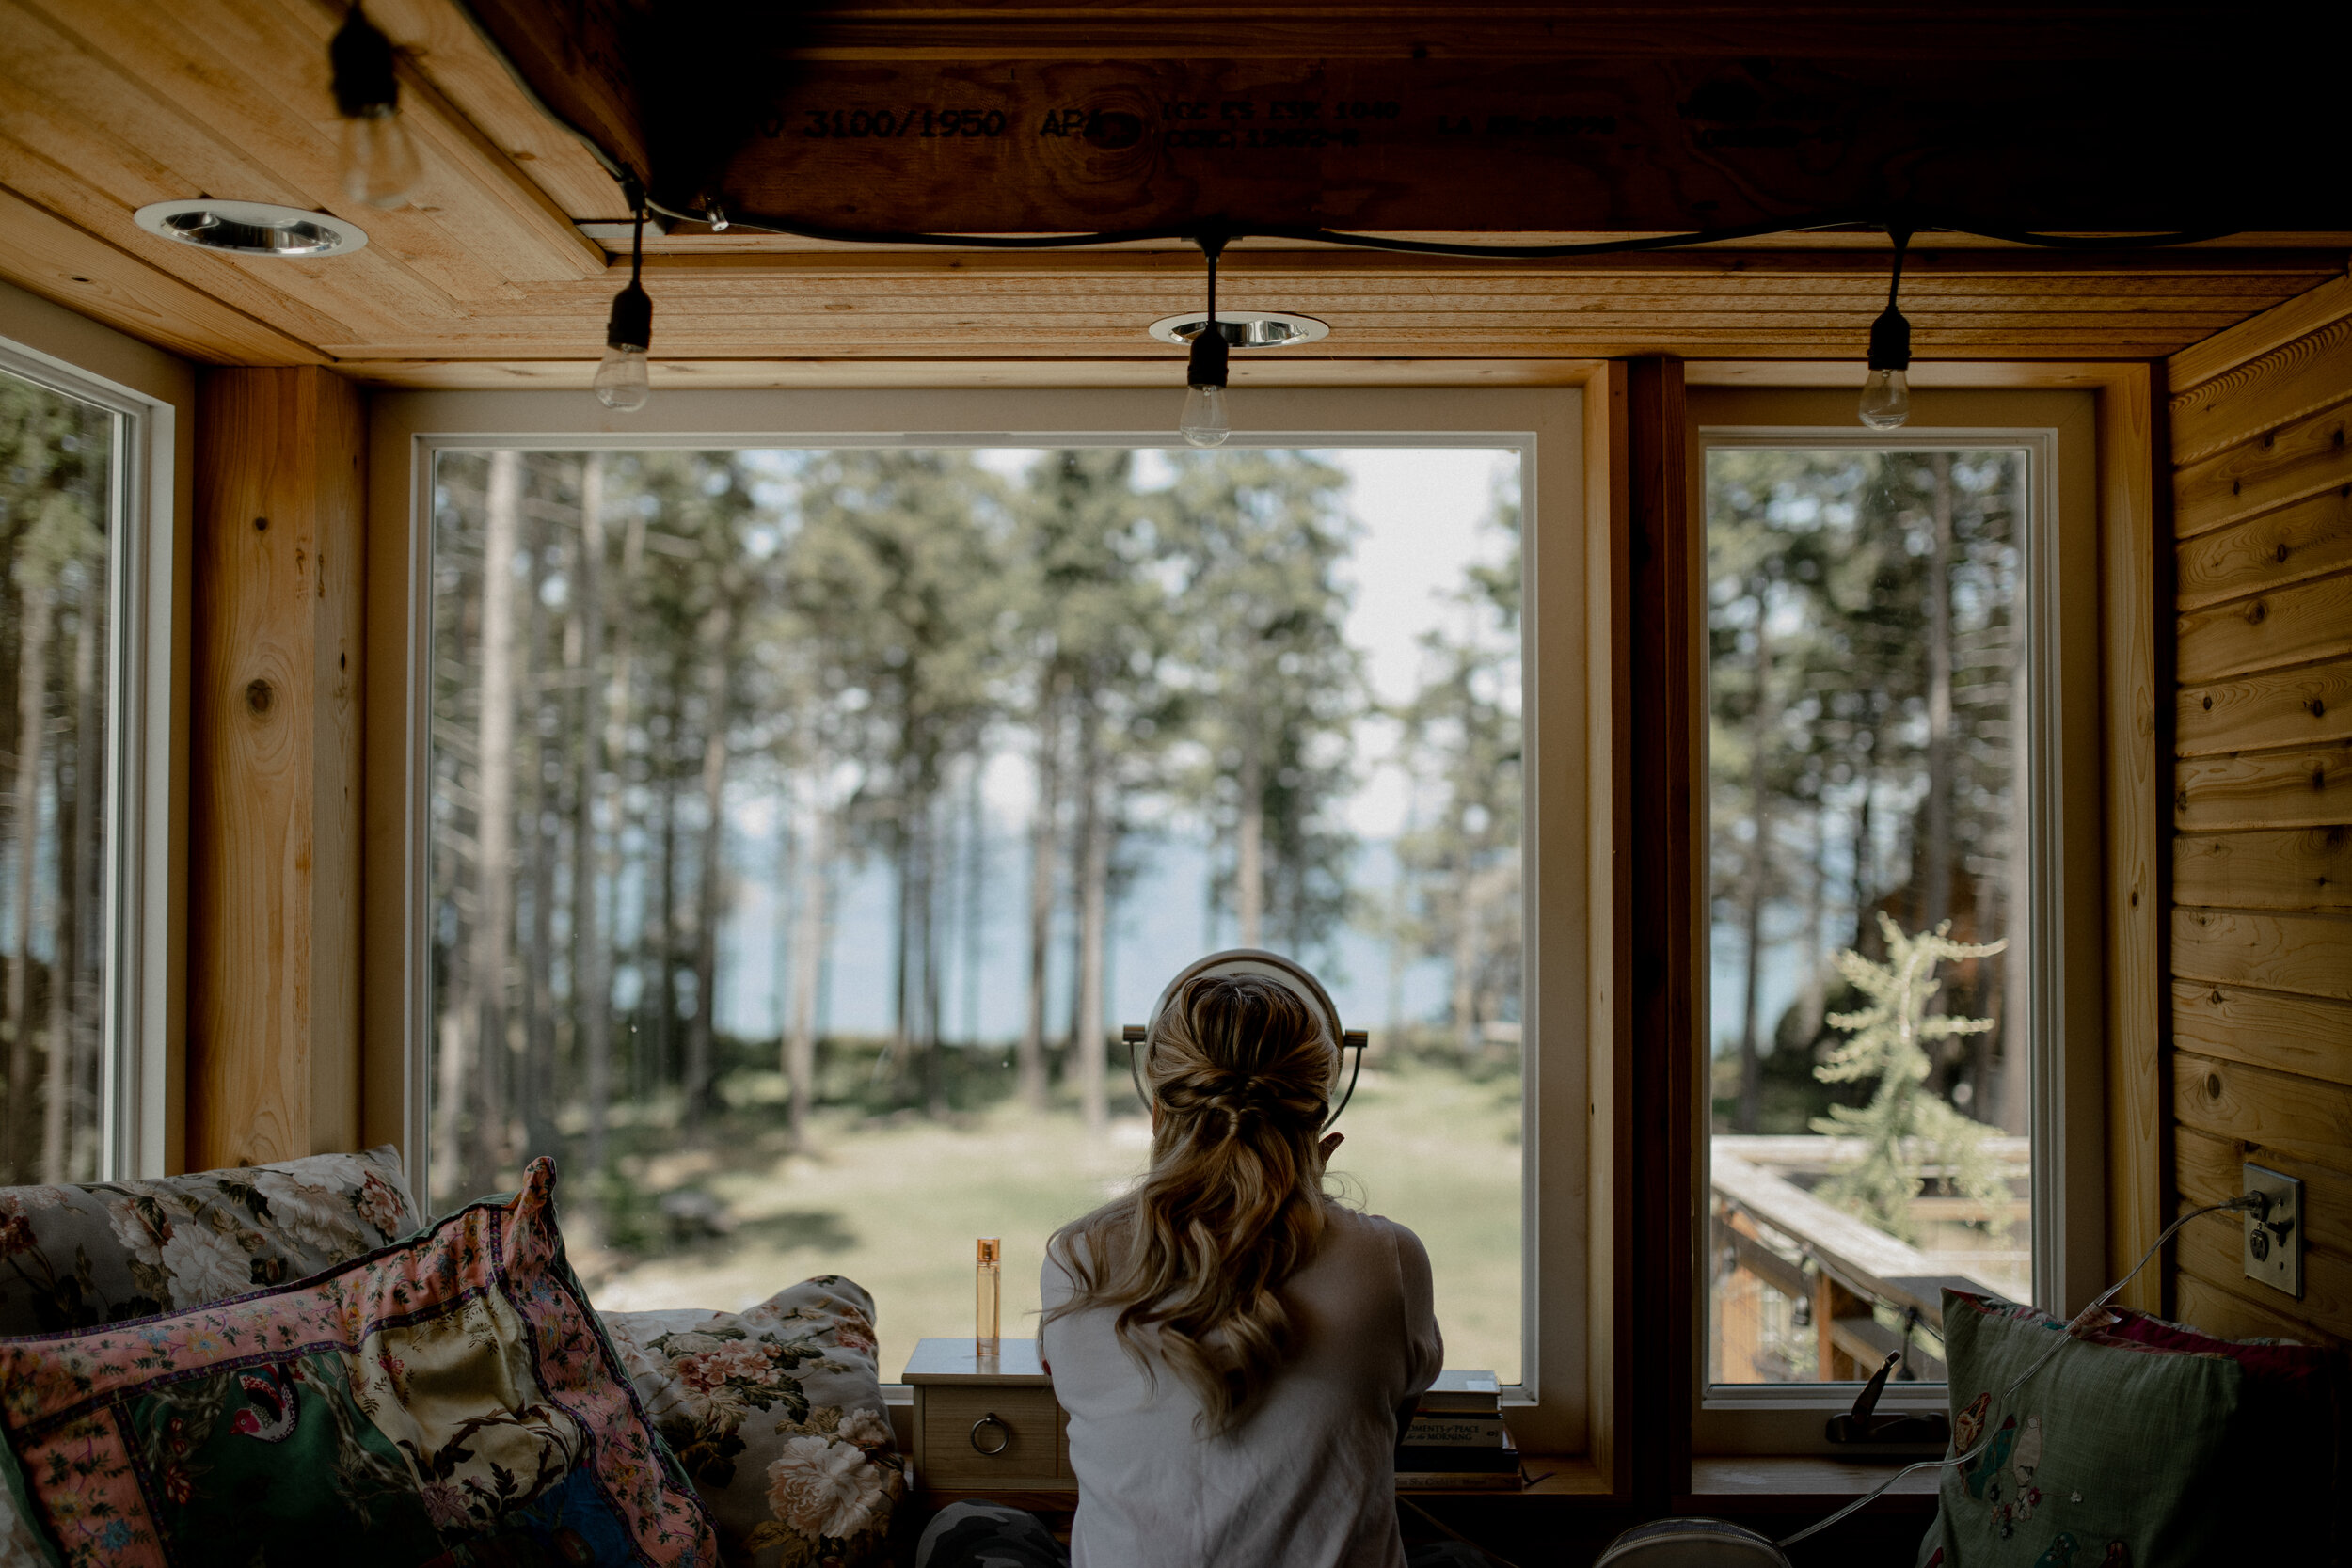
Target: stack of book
[1457, 1439]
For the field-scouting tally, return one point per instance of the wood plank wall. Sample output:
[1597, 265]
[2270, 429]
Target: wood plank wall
[2261, 879]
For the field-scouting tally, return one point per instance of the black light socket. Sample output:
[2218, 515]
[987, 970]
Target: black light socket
[1210, 357]
[362, 57]
[632, 325]
[1890, 342]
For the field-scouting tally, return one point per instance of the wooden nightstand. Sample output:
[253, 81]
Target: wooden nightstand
[988, 1430]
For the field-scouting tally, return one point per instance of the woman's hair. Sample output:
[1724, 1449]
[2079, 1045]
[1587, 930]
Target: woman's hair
[1196, 1258]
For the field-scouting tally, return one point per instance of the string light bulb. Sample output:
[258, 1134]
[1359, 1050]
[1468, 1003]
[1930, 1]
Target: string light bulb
[621, 383]
[1206, 421]
[1887, 391]
[380, 163]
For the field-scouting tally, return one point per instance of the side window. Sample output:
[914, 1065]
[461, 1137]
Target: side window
[60, 495]
[1872, 1099]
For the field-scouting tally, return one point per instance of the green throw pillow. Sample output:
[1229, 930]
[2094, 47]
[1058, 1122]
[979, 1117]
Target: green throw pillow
[2137, 1446]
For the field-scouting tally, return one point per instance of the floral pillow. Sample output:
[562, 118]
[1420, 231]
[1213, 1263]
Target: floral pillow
[777, 1414]
[79, 1256]
[449, 1401]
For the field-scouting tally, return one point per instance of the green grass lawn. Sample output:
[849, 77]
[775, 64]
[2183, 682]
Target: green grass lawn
[895, 1203]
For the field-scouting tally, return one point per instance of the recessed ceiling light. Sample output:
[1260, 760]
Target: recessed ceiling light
[252, 228]
[1242, 328]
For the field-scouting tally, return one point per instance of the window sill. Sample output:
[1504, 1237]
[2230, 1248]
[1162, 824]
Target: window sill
[1799, 1482]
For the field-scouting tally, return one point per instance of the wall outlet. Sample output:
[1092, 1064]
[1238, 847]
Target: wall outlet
[2274, 1234]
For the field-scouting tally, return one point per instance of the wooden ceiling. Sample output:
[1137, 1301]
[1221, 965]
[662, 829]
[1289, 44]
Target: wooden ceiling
[486, 278]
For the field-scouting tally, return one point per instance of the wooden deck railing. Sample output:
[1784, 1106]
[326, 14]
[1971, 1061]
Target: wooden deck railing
[1846, 1276]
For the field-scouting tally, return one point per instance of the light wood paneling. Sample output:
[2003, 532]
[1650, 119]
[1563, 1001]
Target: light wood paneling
[2213, 1171]
[2212, 1248]
[2288, 462]
[2220, 1310]
[2297, 868]
[2310, 622]
[2296, 544]
[2302, 1035]
[2304, 787]
[2215, 374]
[50, 257]
[2230, 1099]
[2310, 954]
[2261, 871]
[2286, 707]
[274, 930]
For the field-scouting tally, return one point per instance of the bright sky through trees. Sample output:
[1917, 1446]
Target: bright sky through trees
[1420, 511]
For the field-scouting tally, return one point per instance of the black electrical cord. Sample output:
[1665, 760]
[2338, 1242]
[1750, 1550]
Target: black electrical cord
[1421, 248]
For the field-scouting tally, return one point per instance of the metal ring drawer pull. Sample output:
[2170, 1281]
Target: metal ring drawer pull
[991, 1419]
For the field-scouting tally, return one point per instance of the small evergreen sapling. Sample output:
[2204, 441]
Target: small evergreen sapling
[1905, 1131]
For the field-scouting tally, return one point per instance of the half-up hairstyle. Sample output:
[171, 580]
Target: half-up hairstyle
[1196, 1258]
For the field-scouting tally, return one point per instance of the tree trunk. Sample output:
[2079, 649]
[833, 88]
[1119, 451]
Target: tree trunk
[1813, 1001]
[58, 1103]
[1763, 715]
[1086, 1020]
[1464, 1007]
[1935, 882]
[1249, 858]
[1866, 930]
[495, 794]
[36, 605]
[89, 868]
[664, 940]
[537, 1077]
[974, 900]
[937, 888]
[592, 984]
[808, 947]
[709, 887]
[902, 979]
[1044, 835]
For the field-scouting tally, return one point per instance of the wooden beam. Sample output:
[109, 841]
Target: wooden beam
[1616, 1383]
[274, 911]
[2135, 787]
[1659, 1336]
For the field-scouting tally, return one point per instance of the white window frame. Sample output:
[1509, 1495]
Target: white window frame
[1564, 663]
[139, 1102]
[2059, 951]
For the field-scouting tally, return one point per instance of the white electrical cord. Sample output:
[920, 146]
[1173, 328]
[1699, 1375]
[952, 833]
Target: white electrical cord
[2250, 1201]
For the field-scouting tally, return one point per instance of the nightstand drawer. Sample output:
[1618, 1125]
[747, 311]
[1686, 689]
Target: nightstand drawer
[1001, 1436]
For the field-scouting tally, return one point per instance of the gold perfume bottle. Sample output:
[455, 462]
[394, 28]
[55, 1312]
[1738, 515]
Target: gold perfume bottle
[987, 1298]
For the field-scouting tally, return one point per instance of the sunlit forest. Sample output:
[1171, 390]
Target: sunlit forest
[1864, 617]
[56, 456]
[1866, 625]
[936, 719]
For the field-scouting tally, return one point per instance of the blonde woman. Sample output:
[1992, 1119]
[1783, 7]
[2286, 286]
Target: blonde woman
[1233, 1347]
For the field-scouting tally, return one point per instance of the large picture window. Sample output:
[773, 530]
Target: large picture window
[804, 822]
[62, 490]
